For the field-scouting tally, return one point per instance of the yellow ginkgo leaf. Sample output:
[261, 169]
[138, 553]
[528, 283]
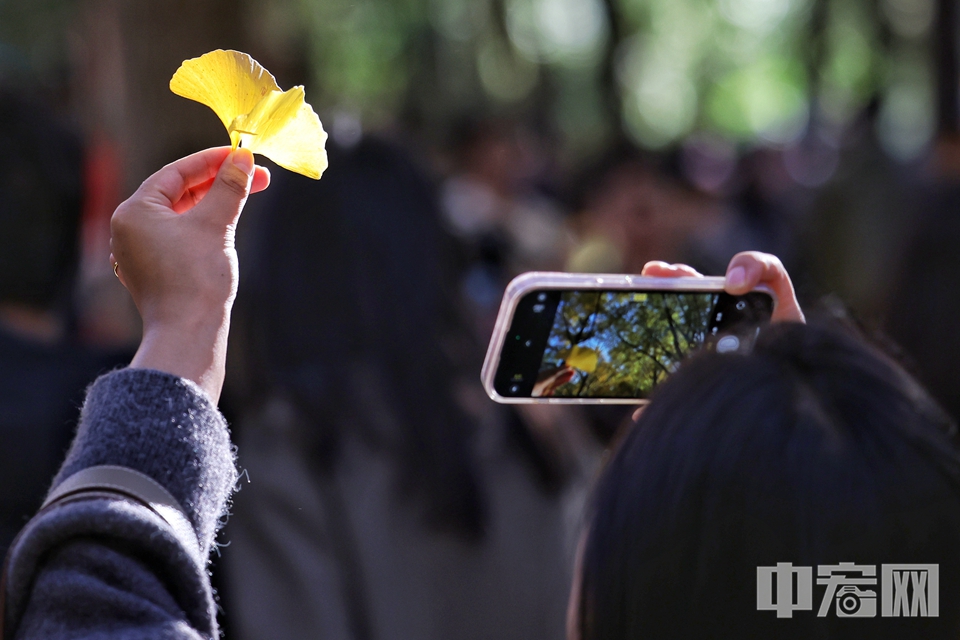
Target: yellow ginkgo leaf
[583, 358]
[257, 114]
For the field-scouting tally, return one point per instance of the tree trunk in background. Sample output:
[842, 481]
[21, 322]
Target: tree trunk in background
[948, 75]
[609, 85]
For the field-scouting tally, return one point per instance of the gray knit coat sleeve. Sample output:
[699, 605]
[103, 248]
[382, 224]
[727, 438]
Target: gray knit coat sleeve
[110, 568]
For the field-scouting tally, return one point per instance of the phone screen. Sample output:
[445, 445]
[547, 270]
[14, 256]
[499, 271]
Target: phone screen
[618, 344]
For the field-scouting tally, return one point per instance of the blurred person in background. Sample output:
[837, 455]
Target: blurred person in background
[44, 368]
[854, 232]
[504, 220]
[922, 304]
[629, 211]
[387, 498]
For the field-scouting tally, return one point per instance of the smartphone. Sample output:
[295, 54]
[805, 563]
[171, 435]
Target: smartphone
[596, 339]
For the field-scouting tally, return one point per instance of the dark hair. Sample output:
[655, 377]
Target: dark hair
[814, 449]
[40, 199]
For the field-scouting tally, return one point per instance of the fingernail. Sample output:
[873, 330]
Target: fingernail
[243, 160]
[736, 277]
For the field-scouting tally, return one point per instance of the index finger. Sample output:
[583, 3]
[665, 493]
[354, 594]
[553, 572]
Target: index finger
[177, 178]
[660, 269]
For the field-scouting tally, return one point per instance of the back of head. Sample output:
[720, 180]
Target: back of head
[40, 199]
[813, 450]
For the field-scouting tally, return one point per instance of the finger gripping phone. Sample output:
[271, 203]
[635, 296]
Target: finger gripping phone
[593, 338]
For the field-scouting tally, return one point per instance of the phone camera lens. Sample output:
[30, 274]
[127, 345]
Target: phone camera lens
[514, 388]
[538, 308]
[528, 343]
[541, 297]
[741, 305]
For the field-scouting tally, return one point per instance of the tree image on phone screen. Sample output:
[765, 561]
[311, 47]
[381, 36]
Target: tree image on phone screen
[620, 344]
[612, 344]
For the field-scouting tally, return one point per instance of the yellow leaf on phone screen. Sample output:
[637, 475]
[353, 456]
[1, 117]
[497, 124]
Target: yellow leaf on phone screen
[583, 358]
[257, 114]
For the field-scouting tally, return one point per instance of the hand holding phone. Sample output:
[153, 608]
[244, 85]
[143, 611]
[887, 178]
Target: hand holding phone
[746, 271]
[584, 338]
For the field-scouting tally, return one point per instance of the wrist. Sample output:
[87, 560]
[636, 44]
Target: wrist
[196, 314]
[191, 346]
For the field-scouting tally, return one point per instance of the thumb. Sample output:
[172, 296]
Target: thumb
[230, 188]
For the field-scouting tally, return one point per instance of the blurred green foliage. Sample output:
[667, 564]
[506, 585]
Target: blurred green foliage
[748, 70]
[658, 70]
